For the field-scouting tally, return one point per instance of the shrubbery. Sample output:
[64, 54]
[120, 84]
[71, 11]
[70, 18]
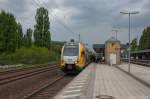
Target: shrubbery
[33, 55]
[17, 47]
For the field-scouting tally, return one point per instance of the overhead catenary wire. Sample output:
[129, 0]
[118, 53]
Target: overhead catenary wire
[58, 20]
[39, 4]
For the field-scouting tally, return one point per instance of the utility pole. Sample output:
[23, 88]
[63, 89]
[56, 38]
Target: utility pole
[129, 52]
[79, 37]
[116, 32]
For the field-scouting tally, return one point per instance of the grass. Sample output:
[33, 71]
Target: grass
[30, 56]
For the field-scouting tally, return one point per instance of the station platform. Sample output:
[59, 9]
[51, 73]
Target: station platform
[99, 81]
[141, 72]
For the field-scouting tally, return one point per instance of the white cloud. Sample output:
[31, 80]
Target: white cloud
[3, 1]
[94, 19]
[64, 14]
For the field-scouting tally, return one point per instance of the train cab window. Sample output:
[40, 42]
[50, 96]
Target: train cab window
[71, 51]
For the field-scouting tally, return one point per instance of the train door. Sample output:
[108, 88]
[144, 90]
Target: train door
[113, 58]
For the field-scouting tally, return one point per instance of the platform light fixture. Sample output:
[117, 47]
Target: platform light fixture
[129, 52]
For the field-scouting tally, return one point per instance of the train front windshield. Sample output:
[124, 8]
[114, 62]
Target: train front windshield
[71, 51]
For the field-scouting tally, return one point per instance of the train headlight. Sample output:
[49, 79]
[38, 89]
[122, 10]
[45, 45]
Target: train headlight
[77, 61]
[62, 61]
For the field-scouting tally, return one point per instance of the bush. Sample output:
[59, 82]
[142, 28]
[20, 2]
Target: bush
[33, 55]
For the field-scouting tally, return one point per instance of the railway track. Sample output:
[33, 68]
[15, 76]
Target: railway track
[5, 79]
[139, 62]
[49, 90]
[14, 70]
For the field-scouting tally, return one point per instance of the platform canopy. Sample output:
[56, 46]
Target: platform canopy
[141, 51]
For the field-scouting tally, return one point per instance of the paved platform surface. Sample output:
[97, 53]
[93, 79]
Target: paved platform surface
[113, 82]
[81, 87]
[98, 79]
[138, 71]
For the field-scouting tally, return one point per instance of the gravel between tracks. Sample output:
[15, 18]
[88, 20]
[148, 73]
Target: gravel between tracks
[52, 89]
[20, 88]
[13, 73]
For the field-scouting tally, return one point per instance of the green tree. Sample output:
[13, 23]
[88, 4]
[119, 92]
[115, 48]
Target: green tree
[134, 45]
[27, 39]
[147, 38]
[19, 36]
[42, 37]
[144, 42]
[8, 32]
[141, 46]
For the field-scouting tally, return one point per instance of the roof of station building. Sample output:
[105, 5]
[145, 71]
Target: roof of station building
[112, 39]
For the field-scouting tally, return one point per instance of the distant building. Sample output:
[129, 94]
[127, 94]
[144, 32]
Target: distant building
[111, 48]
[112, 51]
[99, 49]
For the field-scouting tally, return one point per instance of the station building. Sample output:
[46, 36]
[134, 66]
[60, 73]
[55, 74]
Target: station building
[111, 51]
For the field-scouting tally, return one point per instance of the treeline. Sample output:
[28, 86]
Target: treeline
[29, 47]
[144, 42]
[10, 33]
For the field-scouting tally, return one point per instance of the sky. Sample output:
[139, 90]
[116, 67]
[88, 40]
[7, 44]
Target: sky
[94, 20]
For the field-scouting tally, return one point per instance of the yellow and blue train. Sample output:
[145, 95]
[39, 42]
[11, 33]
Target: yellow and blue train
[74, 57]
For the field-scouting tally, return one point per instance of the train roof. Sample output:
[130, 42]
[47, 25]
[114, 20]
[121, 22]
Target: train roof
[141, 51]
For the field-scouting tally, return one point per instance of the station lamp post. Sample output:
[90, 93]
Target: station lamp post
[129, 13]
